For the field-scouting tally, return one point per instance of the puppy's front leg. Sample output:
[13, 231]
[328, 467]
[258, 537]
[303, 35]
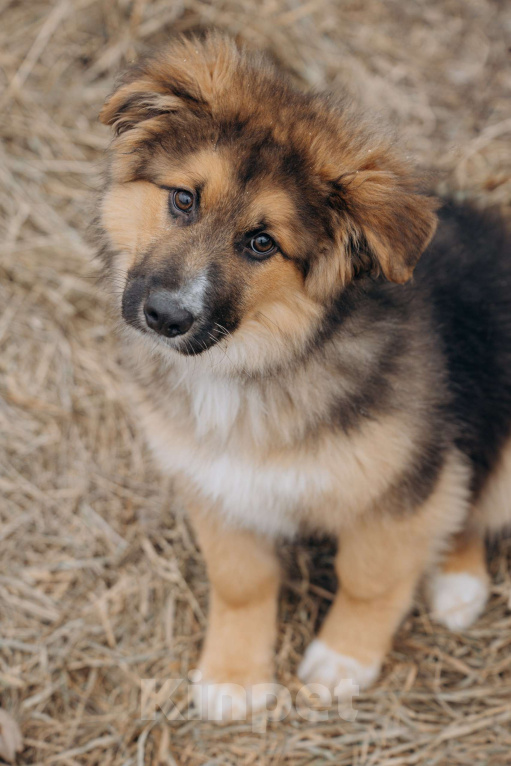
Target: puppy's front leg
[380, 561]
[244, 577]
[377, 577]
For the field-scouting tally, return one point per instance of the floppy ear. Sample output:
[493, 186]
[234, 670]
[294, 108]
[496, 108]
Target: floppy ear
[136, 101]
[189, 74]
[390, 221]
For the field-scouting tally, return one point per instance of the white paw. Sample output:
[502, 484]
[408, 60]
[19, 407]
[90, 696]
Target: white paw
[337, 672]
[230, 701]
[457, 599]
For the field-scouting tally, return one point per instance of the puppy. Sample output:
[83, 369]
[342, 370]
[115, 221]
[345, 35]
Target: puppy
[259, 244]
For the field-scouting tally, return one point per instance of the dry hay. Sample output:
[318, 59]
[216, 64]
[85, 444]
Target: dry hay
[100, 580]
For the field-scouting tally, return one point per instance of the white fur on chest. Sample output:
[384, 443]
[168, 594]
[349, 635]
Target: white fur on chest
[223, 443]
[249, 489]
[259, 496]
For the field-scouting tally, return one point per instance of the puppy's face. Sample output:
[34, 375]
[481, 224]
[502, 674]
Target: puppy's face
[237, 208]
[207, 244]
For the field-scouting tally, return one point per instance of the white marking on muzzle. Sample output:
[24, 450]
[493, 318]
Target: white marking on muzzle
[191, 295]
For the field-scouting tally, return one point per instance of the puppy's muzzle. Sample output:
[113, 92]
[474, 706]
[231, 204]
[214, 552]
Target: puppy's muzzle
[164, 315]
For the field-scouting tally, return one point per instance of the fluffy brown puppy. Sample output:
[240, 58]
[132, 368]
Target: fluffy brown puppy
[259, 244]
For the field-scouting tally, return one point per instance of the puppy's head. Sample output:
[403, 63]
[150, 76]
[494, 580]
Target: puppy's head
[238, 208]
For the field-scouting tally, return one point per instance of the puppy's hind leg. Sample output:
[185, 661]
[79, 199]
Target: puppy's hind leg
[458, 590]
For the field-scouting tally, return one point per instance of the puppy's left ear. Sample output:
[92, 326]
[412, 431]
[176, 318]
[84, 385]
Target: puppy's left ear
[389, 219]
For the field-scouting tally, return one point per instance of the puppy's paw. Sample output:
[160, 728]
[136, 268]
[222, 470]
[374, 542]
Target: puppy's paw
[457, 598]
[336, 672]
[230, 701]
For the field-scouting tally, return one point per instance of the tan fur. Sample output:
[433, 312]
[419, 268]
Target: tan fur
[380, 561]
[244, 575]
[466, 554]
[493, 509]
[275, 205]
[211, 168]
[277, 289]
[380, 201]
[133, 214]
[147, 89]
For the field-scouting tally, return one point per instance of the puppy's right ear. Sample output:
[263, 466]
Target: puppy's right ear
[186, 76]
[138, 100]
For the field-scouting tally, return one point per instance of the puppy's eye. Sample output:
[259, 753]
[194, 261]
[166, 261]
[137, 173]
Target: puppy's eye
[182, 201]
[262, 245]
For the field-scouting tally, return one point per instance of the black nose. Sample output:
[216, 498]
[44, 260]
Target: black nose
[165, 316]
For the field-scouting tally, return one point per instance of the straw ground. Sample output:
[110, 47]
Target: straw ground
[101, 583]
